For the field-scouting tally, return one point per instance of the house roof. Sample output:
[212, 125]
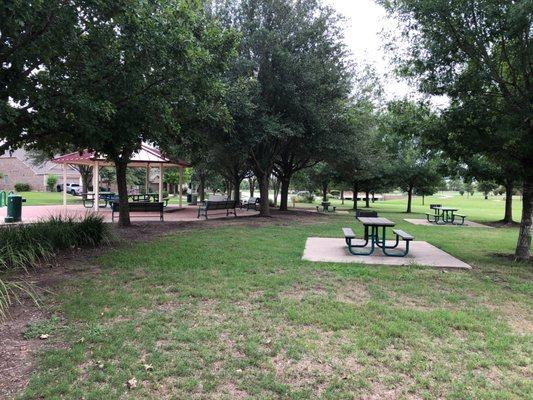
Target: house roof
[44, 168]
[145, 156]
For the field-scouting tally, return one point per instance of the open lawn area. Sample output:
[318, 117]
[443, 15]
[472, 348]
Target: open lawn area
[475, 207]
[232, 312]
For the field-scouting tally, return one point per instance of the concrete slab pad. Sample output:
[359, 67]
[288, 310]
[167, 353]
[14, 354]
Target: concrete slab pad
[425, 222]
[420, 253]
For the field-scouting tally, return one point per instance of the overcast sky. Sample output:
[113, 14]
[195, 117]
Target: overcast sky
[365, 21]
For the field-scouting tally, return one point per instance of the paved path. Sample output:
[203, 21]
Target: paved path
[420, 253]
[172, 213]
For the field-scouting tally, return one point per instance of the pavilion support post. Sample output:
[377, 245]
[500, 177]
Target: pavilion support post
[96, 185]
[160, 182]
[180, 200]
[65, 185]
[147, 179]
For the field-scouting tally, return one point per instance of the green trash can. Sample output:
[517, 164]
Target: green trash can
[14, 208]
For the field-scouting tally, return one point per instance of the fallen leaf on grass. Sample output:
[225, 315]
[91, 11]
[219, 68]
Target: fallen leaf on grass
[132, 383]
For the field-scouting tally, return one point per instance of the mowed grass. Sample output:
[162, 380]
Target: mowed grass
[475, 207]
[47, 198]
[234, 313]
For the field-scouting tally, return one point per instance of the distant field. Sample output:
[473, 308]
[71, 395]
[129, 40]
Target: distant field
[475, 207]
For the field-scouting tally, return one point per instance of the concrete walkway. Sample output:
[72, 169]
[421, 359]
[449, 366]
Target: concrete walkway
[172, 213]
[425, 222]
[420, 253]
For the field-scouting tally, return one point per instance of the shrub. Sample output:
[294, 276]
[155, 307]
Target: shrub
[10, 292]
[22, 187]
[24, 246]
[51, 182]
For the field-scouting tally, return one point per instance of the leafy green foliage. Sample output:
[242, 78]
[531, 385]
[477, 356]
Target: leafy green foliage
[25, 246]
[51, 181]
[479, 55]
[22, 187]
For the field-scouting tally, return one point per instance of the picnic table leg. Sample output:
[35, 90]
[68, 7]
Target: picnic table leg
[370, 251]
[382, 244]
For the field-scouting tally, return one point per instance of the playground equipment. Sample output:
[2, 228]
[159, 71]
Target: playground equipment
[14, 208]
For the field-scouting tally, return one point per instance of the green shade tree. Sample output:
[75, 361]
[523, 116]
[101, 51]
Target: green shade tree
[134, 72]
[479, 55]
[412, 166]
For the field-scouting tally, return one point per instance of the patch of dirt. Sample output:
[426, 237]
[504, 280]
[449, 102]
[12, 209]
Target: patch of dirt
[303, 373]
[17, 353]
[230, 391]
[351, 292]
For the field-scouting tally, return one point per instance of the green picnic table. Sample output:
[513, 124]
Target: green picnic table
[372, 234]
[445, 215]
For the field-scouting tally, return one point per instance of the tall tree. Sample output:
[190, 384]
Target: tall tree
[135, 71]
[412, 166]
[479, 54]
[33, 35]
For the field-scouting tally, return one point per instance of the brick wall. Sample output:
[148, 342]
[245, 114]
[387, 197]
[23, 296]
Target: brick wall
[15, 171]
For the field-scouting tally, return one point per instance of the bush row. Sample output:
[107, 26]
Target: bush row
[24, 246]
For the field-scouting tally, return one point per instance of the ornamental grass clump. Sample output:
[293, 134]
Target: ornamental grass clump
[27, 246]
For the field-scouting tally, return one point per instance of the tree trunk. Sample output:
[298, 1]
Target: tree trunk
[201, 187]
[325, 192]
[284, 200]
[508, 217]
[264, 209]
[367, 199]
[251, 183]
[423, 199]
[275, 186]
[523, 246]
[342, 197]
[86, 174]
[355, 194]
[124, 210]
[236, 189]
[409, 199]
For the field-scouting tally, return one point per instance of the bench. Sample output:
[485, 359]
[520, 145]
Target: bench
[406, 237]
[460, 216]
[139, 206]
[348, 233]
[433, 217]
[227, 205]
[252, 202]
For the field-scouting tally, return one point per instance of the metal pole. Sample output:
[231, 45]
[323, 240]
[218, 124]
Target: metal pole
[180, 200]
[65, 185]
[147, 178]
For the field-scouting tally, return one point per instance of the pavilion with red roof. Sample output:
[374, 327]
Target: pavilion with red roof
[146, 157]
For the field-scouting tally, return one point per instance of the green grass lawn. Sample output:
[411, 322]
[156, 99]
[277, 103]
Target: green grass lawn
[475, 207]
[235, 313]
[48, 198]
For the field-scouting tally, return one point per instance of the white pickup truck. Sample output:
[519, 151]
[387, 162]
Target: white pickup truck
[74, 189]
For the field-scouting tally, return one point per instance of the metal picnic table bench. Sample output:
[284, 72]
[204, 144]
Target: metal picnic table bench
[372, 235]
